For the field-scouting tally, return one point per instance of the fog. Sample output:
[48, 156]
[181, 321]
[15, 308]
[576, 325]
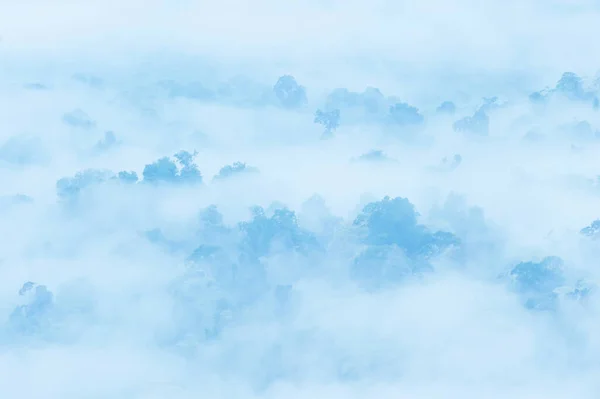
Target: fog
[316, 199]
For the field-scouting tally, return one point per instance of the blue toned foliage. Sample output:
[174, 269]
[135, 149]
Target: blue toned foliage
[571, 85]
[579, 130]
[371, 100]
[298, 295]
[371, 106]
[33, 316]
[452, 163]
[233, 269]
[277, 232]
[235, 169]
[164, 170]
[383, 265]
[289, 93]
[538, 277]
[344, 98]
[394, 222]
[78, 118]
[389, 221]
[211, 218]
[490, 103]
[397, 247]
[478, 124]
[537, 97]
[205, 253]
[243, 91]
[189, 173]
[583, 289]
[404, 115]
[109, 141]
[593, 230]
[543, 284]
[127, 177]
[210, 227]
[70, 187]
[374, 156]
[537, 282]
[186, 158]
[447, 107]
[329, 119]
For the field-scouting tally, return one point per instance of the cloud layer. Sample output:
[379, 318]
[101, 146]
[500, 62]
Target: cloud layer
[326, 199]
